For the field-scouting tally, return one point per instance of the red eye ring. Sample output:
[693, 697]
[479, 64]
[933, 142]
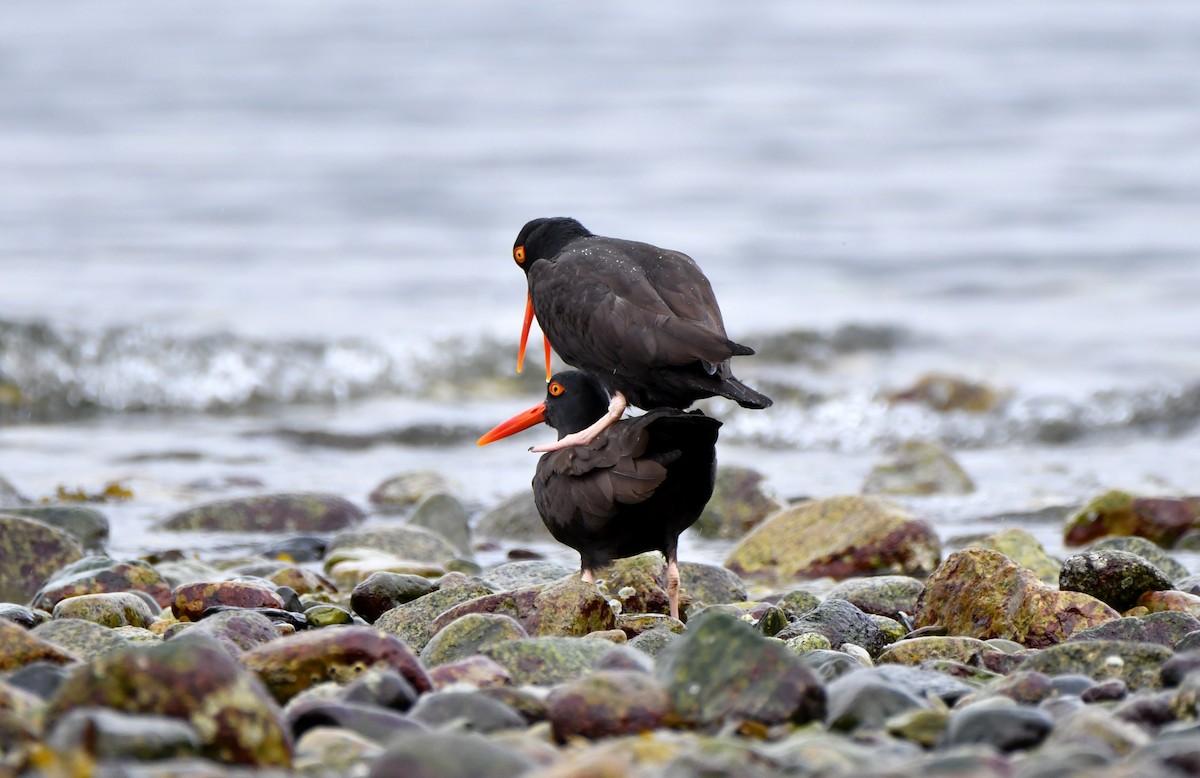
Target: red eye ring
[555, 389]
[519, 254]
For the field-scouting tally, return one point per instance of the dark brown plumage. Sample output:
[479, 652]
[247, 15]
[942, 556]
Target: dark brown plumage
[634, 488]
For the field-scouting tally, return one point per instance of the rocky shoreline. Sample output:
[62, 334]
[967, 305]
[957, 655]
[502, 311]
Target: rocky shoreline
[376, 645]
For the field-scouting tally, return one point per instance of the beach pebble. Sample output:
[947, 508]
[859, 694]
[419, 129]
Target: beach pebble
[413, 621]
[607, 703]
[1022, 547]
[653, 643]
[570, 607]
[1093, 724]
[639, 584]
[1150, 551]
[1026, 687]
[404, 542]
[194, 681]
[914, 651]
[190, 601]
[798, 601]
[21, 615]
[110, 609]
[527, 572]
[275, 513]
[838, 537]
[371, 722]
[1167, 628]
[515, 518]
[296, 548]
[546, 661]
[465, 711]
[236, 630]
[401, 492]
[984, 594]
[999, 723]
[806, 642]
[924, 683]
[334, 751]
[445, 515]
[721, 669]
[293, 663]
[87, 525]
[741, 499]
[884, 595]
[711, 584]
[840, 622]
[326, 615]
[20, 647]
[84, 639]
[918, 467]
[382, 687]
[866, 699]
[771, 620]
[107, 734]
[1139, 665]
[464, 636]
[623, 657]
[301, 580]
[1160, 520]
[95, 575]
[475, 670]
[448, 755]
[30, 553]
[1157, 602]
[1117, 578]
[382, 591]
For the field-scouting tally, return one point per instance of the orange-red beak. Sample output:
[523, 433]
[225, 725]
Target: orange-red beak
[525, 338]
[523, 420]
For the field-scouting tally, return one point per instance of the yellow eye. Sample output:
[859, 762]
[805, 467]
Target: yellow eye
[555, 389]
[519, 254]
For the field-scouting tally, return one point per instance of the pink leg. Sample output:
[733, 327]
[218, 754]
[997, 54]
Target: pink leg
[673, 587]
[616, 408]
[587, 576]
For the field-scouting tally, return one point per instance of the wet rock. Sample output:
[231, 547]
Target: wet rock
[325, 615]
[884, 595]
[866, 700]
[546, 661]
[570, 607]
[382, 688]
[84, 639]
[529, 572]
[711, 584]
[190, 601]
[194, 681]
[984, 594]
[293, 663]
[917, 467]
[1137, 664]
[96, 575]
[771, 621]
[838, 537]
[295, 548]
[106, 734]
[606, 704]
[402, 492]
[722, 669]
[654, 642]
[20, 647]
[740, 501]
[272, 513]
[639, 583]
[516, 518]
[413, 543]
[1023, 548]
[949, 393]
[413, 621]
[1117, 578]
[377, 724]
[623, 657]
[1090, 725]
[1162, 521]
[805, 642]
[111, 609]
[465, 711]
[1024, 687]
[237, 630]
[382, 591]
[924, 684]
[1157, 602]
[334, 751]
[87, 525]
[999, 723]
[798, 601]
[443, 514]
[464, 636]
[446, 755]
[301, 580]
[1147, 550]
[1105, 691]
[22, 616]
[1167, 628]
[922, 726]
[892, 630]
[477, 671]
[30, 552]
[634, 624]
[841, 623]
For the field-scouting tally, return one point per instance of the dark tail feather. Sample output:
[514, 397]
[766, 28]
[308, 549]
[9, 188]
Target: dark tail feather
[743, 395]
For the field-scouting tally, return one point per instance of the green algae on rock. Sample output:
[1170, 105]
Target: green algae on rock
[84, 639]
[19, 647]
[94, 575]
[1137, 664]
[567, 608]
[1023, 548]
[30, 553]
[721, 669]
[193, 680]
[1117, 578]
[405, 542]
[1160, 520]
[1167, 628]
[301, 512]
[381, 591]
[838, 537]
[915, 651]
[108, 609]
[1146, 549]
[546, 661]
[881, 595]
[413, 621]
[918, 467]
[842, 623]
[465, 635]
[711, 584]
[739, 503]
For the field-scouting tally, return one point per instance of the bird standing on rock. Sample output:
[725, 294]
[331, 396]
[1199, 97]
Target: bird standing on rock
[642, 320]
[633, 488]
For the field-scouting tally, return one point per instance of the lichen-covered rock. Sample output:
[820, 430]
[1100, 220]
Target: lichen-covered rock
[301, 512]
[639, 583]
[20, 647]
[566, 608]
[445, 515]
[382, 591]
[546, 661]
[445, 755]
[291, 664]
[984, 594]
[1023, 548]
[237, 630]
[477, 670]
[842, 623]
[30, 553]
[1117, 578]
[193, 680]
[1166, 628]
[798, 601]
[1137, 664]
[470, 632]
[84, 639]
[301, 580]
[739, 503]
[1160, 520]
[654, 642]
[402, 492]
[883, 595]
[915, 651]
[109, 609]
[633, 624]
[1148, 550]
[527, 572]
[711, 584]
[607, 703]
[87, 525]
[516, 518]
[838, 537]
[721, 669]
[405, 542]
[413, 621]
[95, 575]
[190, 601]
[918, 467]
[327, 615]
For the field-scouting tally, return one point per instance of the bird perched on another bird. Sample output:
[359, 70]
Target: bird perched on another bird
[634, 488]
[641, 319]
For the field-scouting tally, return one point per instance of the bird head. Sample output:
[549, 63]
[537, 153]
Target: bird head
[573, 401]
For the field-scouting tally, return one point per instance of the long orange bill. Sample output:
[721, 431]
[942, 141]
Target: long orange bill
[523, 420]
[525, 333]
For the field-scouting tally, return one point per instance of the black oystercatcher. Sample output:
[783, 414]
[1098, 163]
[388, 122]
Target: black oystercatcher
[642, 320]
[634, 488]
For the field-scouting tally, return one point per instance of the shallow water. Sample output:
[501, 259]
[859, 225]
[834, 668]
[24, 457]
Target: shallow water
[219, 226]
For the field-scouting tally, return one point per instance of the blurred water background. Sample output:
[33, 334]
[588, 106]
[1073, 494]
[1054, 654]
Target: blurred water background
[253, 247]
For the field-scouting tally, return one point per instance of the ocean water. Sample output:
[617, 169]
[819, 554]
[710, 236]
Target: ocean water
[262, 247]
